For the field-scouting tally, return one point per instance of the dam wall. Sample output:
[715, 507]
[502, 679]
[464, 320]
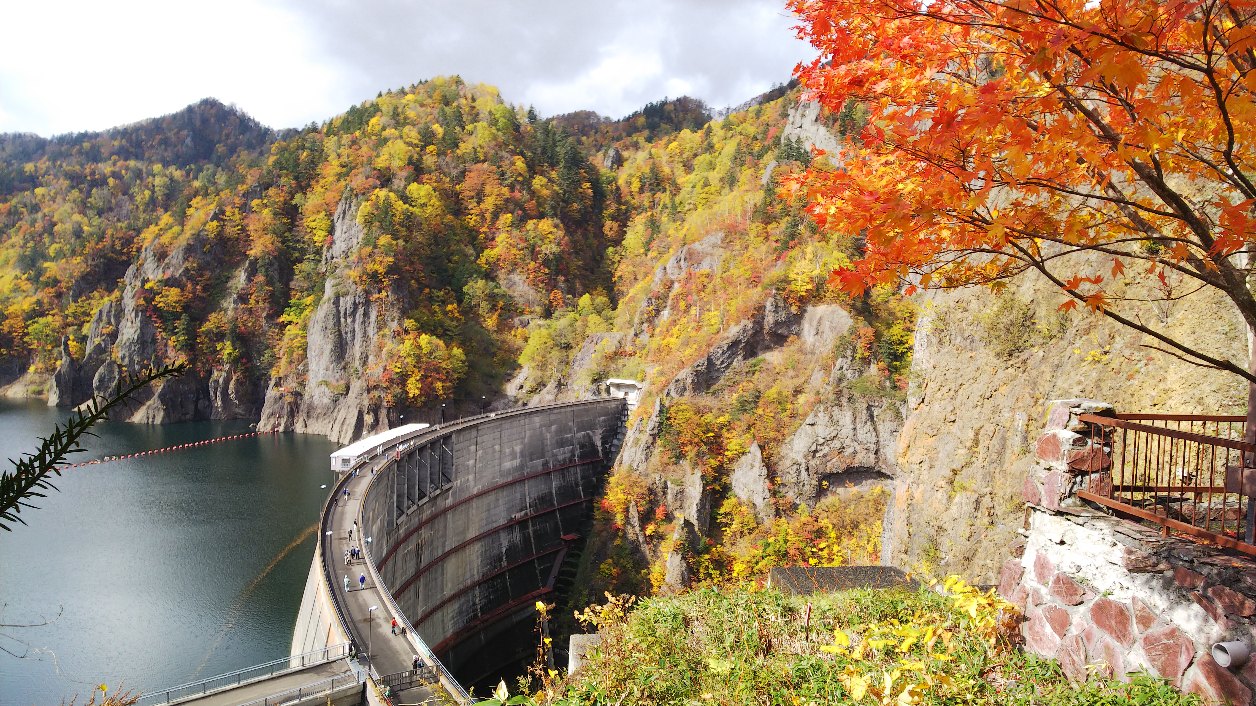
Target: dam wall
[469, 525]
[317, 623]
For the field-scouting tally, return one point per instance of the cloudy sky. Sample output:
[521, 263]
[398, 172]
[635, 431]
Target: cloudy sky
[71, 65]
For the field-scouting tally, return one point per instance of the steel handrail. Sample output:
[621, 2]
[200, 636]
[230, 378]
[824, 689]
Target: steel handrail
[1171, 433]
[416, 640]
[1183, 417]
[341, 650]
[321, 688]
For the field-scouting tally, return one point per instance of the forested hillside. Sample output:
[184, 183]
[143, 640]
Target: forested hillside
[438, 245]
[202, 237]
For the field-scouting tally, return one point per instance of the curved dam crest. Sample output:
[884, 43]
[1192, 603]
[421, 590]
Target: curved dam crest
[464, 527]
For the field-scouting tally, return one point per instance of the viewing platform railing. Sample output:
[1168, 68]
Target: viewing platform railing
[1191, 474]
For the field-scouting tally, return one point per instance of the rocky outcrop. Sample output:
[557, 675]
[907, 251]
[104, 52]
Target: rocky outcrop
[676, 565]
[689, 499]
[975, 404]
[123, 337]
[848, 442]
[770, 328]
[702, 256]
[804, 125]
[749, 483]
[330, 395]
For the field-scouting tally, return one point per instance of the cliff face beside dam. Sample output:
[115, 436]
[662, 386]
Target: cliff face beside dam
[983, 368]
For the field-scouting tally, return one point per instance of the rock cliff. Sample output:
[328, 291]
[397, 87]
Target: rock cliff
[983, 367]
[330, 394]
[124, 336]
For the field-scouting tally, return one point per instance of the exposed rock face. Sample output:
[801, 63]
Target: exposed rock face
[689, 499]
[847, 442]
[972, 413]
[124, 337]
[749, 482]
[804, 125]
[639, 444]
[331, 396]
[822, 325]
[702, 256]
[771, 327]
[67, 380]
[678, 572]
[613, 158]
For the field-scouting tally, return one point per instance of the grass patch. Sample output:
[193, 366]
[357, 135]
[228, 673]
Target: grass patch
[745, 646]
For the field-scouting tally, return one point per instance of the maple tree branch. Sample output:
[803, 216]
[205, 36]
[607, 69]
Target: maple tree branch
[1222, 173]
[1182, 358]
[1168, 195]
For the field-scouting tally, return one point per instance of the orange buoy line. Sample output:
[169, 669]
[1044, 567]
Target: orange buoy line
[176, 447]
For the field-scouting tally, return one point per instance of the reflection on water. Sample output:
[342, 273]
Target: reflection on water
[158, 570]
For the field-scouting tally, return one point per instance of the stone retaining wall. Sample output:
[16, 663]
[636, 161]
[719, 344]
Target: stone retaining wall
[1100, 593]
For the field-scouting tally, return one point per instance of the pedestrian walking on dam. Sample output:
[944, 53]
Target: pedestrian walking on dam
[394, 626]
[346, 583]
[362, 580]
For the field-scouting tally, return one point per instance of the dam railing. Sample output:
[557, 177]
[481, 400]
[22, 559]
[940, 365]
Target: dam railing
[239, 677]
[1190, 474]
[318, 692]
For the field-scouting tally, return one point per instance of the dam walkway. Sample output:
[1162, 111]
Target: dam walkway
[467, 523]
[367, 606]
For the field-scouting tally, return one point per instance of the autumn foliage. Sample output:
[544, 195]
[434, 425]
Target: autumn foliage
[1007, 136]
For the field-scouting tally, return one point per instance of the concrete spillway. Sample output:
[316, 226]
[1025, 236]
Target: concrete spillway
[469, 525]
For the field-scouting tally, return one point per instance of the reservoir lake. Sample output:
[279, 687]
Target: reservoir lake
[159, 570]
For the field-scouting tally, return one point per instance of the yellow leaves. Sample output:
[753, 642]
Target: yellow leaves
[427, 367]
[856, 684]
[170, 299]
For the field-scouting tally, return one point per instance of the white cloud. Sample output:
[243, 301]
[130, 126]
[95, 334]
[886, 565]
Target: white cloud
[74, 65]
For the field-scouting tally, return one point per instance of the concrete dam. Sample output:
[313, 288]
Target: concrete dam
[461, 529]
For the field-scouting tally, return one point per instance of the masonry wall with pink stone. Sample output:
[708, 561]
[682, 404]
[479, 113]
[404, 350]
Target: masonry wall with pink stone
[1100, 593]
